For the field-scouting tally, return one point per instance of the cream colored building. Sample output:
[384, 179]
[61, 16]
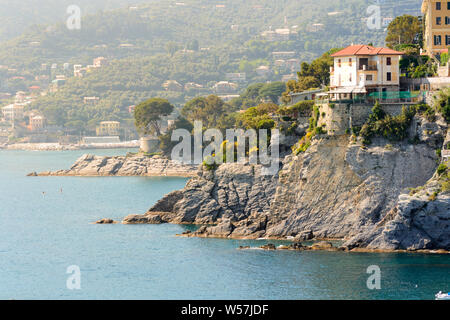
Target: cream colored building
[437, 26]
[13, 112]
[108, 128]
[363, 69]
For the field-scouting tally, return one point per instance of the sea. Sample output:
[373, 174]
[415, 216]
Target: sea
[50, 248]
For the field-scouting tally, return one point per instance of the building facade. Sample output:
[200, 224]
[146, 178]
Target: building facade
[362, 70]
[436, 26]
[37, 122]
[13, 112]
[108, 128]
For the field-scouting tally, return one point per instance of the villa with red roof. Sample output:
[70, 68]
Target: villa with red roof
[360, 70]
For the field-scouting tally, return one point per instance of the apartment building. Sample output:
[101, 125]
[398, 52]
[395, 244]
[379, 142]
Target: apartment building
[436, 26]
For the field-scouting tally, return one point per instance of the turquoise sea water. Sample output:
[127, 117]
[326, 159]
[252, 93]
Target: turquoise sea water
[43, 234]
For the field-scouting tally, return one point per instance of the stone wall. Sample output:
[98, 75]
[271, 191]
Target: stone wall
[339, 118]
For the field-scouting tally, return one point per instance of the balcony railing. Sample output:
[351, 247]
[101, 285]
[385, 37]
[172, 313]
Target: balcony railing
[366, 67]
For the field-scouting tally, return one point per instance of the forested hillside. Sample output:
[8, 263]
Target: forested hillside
[195, 41]
[150, 27]
[18, 16]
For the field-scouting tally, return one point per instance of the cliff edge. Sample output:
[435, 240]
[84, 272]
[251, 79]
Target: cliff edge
[385, 196]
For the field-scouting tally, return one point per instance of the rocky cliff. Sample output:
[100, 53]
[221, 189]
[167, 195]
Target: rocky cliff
[337, 189]
[133, 165]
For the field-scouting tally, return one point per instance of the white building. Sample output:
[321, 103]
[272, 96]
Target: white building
[13, 112]
[362, 69]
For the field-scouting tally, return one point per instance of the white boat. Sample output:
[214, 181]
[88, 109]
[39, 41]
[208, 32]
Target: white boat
[442, 296]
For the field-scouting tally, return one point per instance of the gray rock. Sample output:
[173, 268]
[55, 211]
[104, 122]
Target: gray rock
[136, 165]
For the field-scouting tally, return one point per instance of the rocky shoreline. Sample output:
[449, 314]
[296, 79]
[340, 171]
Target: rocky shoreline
[130, 165]
[381, 198]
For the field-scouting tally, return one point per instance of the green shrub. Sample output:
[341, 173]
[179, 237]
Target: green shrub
[443, 104]
[209, 166]
[441, 169]
[384, 125]
[445, 186]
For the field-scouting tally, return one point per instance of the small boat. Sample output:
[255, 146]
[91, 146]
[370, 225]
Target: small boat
[442, 296]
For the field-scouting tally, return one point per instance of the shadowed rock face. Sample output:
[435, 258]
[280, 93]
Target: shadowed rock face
[335, 189]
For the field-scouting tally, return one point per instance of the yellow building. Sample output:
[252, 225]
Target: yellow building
[108, 128]
[437, 26]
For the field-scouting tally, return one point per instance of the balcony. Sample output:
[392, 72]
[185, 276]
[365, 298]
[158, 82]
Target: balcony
[365, 67]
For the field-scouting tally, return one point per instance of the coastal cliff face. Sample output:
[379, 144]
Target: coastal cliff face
[336, 189]
[135, 165]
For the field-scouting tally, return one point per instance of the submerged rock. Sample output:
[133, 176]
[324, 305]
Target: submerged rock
[269, 246]
[322, 245]
[106, 221]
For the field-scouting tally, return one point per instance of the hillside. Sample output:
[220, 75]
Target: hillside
[18, 16]
[149, 27]
[193, 41]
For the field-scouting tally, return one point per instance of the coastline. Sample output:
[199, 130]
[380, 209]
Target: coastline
[292, 246]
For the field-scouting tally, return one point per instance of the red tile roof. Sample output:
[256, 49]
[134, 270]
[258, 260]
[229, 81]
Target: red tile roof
[364, 50]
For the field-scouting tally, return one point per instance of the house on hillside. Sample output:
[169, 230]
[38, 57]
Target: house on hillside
[361, 71]
[304, 95]
[91, 100]
[172, 85]
[108, 128]
[225, 87]
[13, 112]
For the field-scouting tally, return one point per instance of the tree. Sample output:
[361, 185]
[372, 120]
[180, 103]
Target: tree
[313, 75]
[404, 29]
[172, 47]
[272, 90]
[209, 110]
[148, 115]
[193, 45]
[259, 117]
[166, 143]
[443, 103]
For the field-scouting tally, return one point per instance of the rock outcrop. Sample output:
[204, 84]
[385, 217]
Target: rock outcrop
[134, 165]
[337, 189]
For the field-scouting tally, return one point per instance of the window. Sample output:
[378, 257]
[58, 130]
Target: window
[437, 40]
[388, 61]
[447, 20]
[447, 40]
[363, 62]
[369, 77]
[339, 63]
[438, 21]
[350, 62]
[350, 78]
[389, 76]
[448, 5]
[438, 5]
